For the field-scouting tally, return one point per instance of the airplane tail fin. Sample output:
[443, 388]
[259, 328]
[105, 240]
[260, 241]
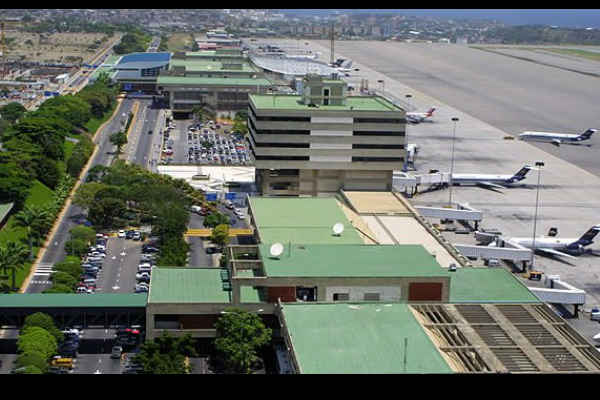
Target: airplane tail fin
[589, 236]
[522, 172]
[430, 111]
[587, 134]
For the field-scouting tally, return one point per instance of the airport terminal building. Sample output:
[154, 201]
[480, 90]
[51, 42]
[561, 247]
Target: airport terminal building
[323, 140]
[221, 79]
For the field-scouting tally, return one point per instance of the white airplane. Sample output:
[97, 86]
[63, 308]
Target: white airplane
[416, 117]
[345, 68]
[490, 181]
[557, 246]
[557, 138]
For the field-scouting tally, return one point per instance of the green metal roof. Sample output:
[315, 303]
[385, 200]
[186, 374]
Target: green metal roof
[187, 285]
[303, 220]
[350, 260]
[292, 102]
[212, 53]
[360, 339]
[196, 80]
[4, 210]
[209, 66]
[100, 300]
[488, 285]
[249, 294]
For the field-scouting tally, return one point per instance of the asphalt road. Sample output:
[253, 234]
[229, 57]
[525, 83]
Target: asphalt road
[55, 251]
[510, 94]
[144, 148]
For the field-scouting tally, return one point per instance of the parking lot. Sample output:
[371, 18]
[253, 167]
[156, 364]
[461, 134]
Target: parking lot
[188, 142]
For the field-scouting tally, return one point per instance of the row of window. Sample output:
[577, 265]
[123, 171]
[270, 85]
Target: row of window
[346, 297]
[357, 120]
[381, 159]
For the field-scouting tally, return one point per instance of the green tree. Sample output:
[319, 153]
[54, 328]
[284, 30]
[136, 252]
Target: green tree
[240, 126]
[37, 339]
[32, 358]
[220, 235]
[166, 354]
[12, 111]
[63, 278]
[45, 321]
[96, 173]
[86, 194]
[173, 252]
[37, 220]
[85, 233]
[118, 139]
[59, 288]
[104, 211]
[14, 183]
[48, 172]
[214, 219]
[69, 267]
[240, 334]
[12, 258]
[76, 247]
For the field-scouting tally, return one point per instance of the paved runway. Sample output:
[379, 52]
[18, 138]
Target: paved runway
[510, 94]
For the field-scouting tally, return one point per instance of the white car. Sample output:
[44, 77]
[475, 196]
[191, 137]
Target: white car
[595, 316]
[121, 233]
[142, 275]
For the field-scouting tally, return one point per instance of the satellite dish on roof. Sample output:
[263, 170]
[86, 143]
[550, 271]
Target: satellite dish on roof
[338, 228]
[276, 249]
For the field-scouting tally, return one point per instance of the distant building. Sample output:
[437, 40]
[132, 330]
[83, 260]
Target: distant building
[323, 141]
[139, 71]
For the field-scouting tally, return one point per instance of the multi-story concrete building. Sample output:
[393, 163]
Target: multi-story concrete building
[323, 140]
[221, 79]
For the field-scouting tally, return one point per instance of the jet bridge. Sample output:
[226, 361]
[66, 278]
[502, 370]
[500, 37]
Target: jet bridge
[409, 183]
[464, 212]
[498, 249]
[560, 292]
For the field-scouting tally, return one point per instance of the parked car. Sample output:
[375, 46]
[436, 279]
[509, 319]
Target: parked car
[141, 289]
[137, 235]
[121, 233]
[116, 352]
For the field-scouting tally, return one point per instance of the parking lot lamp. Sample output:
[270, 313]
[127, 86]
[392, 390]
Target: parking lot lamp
[408, 96]
[539, 165]
[455, 120]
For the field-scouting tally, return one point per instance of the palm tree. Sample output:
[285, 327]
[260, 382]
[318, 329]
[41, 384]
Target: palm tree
[12, 257]
[33, 218]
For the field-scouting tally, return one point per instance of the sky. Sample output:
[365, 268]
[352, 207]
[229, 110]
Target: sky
[567, 18]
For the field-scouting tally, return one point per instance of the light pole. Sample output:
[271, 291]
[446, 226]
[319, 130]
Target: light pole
[455, 120]
[382, 86]
[539, 165]
[408, 96]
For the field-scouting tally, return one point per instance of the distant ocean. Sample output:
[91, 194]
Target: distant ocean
[564, 18]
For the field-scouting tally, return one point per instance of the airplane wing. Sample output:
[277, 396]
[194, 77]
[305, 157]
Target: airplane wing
[555, 252]
[490, 185]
